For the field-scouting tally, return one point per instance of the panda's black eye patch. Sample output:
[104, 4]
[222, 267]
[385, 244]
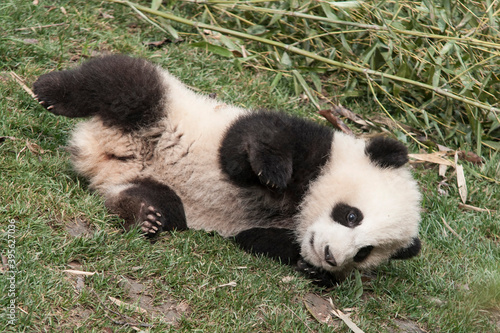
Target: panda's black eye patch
[347, 215]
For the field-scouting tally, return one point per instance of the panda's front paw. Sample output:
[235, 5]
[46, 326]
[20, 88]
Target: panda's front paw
[151, 220]
[51, 91]
[318, 276]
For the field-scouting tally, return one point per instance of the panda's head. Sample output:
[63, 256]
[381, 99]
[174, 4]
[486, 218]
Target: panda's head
[363, 208]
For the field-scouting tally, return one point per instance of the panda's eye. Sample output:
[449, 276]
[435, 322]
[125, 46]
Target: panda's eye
[352, 217]
[347, 215]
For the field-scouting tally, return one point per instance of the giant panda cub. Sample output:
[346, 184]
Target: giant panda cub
[164, 158]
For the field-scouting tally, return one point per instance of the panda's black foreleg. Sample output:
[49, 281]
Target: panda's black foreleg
[153, 206]
[280, 244]
[276, 243]
[123, 91]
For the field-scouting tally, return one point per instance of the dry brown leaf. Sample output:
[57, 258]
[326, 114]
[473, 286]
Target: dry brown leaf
[345, 318]
[462, 186]
[443, 148]
[344, 112]
[442, 170]
[127, 305]
[436, 158]
[34, 148]
[335, 121]
[322, 310]
[157, 44]
[470, 157]
[319, 308]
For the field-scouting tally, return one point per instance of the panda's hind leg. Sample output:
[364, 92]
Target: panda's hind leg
[123, 91]
[153, 206]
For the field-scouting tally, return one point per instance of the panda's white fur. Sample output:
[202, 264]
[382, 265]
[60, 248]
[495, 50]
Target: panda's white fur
[192, 123]
[177, 147]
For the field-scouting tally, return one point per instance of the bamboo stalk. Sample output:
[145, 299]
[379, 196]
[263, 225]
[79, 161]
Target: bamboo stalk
[462, 39]
[290, 48]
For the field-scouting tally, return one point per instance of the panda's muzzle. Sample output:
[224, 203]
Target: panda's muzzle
[329, 258]
[362, 254]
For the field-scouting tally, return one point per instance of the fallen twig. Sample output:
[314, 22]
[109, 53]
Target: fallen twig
[21, 83]
[451, 229]
[476, 209]
[77, 272]
[41, 26]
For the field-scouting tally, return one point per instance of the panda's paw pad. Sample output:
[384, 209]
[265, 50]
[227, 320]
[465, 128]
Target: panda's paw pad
[152, 220]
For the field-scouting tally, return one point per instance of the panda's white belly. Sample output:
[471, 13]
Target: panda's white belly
[186, 159]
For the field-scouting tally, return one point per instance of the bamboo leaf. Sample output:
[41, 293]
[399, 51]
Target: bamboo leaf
[170, 29]
[276, 80]
[306, 88]
[285, 60]
[256, 30]
[358, 287]
[316, 81]
[276, 17]
[213, 48]
[328, 11]
[155, 4]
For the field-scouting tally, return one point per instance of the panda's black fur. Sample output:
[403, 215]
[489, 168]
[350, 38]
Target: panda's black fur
[166, 158]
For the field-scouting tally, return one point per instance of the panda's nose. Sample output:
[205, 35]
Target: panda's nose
[329, 258]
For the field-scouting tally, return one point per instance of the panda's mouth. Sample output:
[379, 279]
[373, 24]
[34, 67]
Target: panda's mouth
[324, 256]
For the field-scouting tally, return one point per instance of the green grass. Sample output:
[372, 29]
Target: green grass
[453, 286]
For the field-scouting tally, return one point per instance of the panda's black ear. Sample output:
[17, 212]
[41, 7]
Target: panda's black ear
[386, 152]
[410, 251]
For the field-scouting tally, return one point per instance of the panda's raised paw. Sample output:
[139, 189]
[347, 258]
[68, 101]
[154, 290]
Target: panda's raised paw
[152, 221]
